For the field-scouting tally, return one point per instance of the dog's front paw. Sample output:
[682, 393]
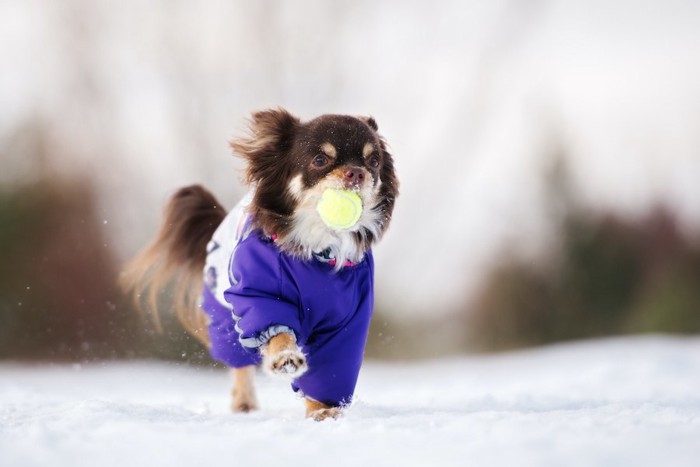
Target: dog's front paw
[325, 414]
[290, 363]
[319, 411]
[283, 357]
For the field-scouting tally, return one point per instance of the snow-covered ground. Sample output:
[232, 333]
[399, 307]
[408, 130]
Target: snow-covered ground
[627, 401]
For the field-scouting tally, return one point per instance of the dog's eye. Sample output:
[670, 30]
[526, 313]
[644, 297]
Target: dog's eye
[320, 160]
[374, 161]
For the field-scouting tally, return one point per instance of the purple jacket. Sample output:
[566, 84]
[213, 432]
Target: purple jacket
[329, 312]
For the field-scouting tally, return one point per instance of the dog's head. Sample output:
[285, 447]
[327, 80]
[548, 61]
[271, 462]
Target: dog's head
[291, 163]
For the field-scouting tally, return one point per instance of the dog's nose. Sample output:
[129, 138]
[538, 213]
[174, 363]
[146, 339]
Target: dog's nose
[354, 177]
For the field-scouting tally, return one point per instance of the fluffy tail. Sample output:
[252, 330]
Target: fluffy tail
[171, 266]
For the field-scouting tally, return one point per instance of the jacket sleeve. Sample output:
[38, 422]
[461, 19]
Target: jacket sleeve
[263, 304]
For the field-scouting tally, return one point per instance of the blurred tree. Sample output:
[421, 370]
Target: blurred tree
[609, 277]
[58, 298]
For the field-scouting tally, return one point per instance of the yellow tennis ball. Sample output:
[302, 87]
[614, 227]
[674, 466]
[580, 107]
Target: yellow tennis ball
[339, 209]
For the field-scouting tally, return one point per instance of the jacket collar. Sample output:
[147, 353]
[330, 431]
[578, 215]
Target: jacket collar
[325, 256]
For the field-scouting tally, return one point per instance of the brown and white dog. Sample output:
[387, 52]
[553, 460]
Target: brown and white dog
[289, 165]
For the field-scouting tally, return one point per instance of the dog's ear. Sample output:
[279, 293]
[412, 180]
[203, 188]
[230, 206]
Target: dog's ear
[389, 188]
[269, 141]
[271, 135]
[390, 183]
[371, 122]
[274, 127]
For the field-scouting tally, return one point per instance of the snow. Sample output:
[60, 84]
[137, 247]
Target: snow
[625, 401]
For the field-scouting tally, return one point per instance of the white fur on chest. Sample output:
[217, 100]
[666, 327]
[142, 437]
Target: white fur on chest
[309, 234]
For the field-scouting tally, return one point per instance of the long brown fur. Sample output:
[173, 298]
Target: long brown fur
[175, 259]
[271, 136]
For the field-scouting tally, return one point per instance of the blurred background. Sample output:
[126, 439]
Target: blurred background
[549, 155]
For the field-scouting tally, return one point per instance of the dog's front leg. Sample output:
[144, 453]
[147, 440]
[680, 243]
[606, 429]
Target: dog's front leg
[243, 391]
[320, 411]
[282, 356]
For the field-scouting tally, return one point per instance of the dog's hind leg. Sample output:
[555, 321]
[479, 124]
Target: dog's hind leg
[243, 390]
